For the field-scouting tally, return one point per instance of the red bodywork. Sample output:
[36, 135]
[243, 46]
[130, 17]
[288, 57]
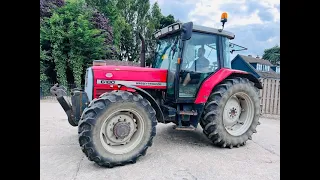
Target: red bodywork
[207, 86]
[149, 78]
[142, 77]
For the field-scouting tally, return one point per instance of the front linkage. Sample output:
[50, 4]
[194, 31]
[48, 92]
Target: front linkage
[79, 101]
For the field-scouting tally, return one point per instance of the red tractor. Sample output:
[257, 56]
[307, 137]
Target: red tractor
[190, 82]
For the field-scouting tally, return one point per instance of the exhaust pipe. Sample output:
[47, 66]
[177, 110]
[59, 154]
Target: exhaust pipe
[143, 52]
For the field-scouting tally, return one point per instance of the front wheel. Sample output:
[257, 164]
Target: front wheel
[117, 128]
[231, 113]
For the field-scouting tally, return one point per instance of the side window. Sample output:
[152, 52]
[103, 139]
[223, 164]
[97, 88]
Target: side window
[226, 52]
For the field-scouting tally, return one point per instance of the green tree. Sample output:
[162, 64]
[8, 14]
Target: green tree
[128, 18]
[99, 4]
[46, 7]
[141, 25]
[166, 20]
[272, 55]
[156, 21]
[128, 9]
[43, 57]
[107, 8]
[72, 39]
[156, 16]
[117, 20]
[116, 11]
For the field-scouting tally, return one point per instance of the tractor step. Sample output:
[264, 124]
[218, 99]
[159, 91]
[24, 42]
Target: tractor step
[184, 128]
[171, 112]
[190, 113]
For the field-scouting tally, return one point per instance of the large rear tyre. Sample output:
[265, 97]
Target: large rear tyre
[117, 128]
[231, 113]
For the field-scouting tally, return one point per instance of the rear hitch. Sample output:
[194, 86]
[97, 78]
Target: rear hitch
[79, 101]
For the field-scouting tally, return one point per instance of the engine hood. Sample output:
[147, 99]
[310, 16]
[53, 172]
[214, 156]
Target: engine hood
[143, 77]
[126, 68]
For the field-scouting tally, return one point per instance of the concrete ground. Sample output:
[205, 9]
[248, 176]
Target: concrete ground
[174, 154]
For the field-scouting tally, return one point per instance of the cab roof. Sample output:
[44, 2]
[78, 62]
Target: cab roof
[172, 28]
[210, 30]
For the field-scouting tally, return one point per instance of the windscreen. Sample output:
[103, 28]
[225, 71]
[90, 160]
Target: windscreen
[167, 48]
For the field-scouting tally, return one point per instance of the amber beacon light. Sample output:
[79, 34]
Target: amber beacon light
[224, 19]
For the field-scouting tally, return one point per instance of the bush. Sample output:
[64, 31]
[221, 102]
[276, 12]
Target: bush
[72, 40]
[46, 6]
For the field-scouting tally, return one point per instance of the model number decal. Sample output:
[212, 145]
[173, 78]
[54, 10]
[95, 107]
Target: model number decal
[105, 82]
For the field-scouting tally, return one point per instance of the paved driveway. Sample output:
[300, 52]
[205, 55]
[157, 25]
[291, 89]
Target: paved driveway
[174, 154]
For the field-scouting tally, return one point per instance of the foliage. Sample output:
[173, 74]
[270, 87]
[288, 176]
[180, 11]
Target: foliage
[128, 18]
[156, 16]
[166, 20]
[156, 21]
[73, 40]
[272, 55]
[43, 57]
[46, 6]
[122, 30]
[75, 32]
[100, 21]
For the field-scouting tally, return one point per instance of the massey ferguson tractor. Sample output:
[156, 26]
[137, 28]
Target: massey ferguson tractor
[190, 82]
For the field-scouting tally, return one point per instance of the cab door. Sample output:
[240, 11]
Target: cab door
[200, 48]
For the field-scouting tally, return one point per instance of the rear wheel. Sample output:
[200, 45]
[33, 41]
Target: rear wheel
[231, 113]
[117, 128]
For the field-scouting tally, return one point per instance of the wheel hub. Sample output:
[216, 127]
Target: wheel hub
[121, 130]
[232, 110]
[238, 114]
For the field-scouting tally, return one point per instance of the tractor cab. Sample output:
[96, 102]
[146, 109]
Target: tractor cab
[191, 53]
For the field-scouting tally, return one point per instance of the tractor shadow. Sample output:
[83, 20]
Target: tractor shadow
[192, 138]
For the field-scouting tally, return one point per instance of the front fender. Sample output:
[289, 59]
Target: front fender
[153, 102]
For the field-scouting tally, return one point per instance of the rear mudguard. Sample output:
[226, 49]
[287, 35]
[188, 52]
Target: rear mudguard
[79, 101]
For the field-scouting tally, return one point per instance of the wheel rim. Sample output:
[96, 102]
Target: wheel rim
[122, 131]
[238, 114]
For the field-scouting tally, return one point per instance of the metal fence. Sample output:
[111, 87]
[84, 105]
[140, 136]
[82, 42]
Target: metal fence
[270, 96]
